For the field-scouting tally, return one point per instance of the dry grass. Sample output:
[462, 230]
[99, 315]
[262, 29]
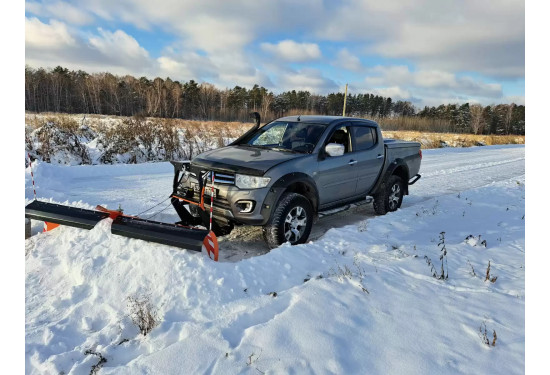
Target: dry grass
[218, 130]
[142, 313]
[99, 122]
[438, 140]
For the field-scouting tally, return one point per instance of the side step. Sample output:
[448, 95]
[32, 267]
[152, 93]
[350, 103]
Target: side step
[345, 207]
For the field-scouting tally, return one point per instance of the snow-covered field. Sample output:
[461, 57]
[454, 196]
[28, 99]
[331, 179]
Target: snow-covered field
[360, 298]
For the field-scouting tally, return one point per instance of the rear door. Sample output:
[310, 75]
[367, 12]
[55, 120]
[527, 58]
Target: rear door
[369, 153]
[337, 175]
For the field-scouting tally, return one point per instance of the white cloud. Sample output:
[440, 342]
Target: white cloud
[469, 35]
[52, 36]
[69, 13]
[223, 69]
[187, 66]
[228, 79]
[487, 37]
[49, 45]
[450, 44]
[33, 7]
[518, 99]
[308, 79]
[429, 87]
[431, 80]
[347, 60]
[60, 10]
[119, 46]
[212, 34]
[394, 92]
[289, 50]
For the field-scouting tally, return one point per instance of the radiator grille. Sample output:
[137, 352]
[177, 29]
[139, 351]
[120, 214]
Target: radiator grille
[223, 178]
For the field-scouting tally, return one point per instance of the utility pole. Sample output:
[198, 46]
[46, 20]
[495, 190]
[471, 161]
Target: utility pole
[345, 97]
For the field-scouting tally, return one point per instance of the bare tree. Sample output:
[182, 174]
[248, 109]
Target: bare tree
[508, 118]
[477, 122]
[267, 99]
[207, 99]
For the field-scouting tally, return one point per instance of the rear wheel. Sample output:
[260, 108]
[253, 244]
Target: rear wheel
[291, 221]
[389, 196]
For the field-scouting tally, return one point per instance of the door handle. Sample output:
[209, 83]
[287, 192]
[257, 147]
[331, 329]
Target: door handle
[352, 162]
[380, 156]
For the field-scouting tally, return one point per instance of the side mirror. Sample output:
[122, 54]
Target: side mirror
[335, 149]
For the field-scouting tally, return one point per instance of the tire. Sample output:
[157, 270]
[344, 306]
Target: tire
[389, 196]
[292, 210]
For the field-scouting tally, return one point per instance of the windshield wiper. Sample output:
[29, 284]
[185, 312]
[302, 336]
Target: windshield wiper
[275, 148]
[285, 149]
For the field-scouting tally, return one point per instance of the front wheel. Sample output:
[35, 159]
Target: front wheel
[291, 221]
[389, 196]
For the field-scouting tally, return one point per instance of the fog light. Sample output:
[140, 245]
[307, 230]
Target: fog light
[245, 206]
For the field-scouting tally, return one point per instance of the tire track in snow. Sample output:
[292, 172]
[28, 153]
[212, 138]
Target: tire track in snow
[470, 167]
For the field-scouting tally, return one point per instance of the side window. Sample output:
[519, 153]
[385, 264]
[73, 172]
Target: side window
[341, 135]
[365, 137]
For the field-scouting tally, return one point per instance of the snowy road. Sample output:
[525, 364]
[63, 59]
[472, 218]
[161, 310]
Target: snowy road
[365, 298]
[138, 187]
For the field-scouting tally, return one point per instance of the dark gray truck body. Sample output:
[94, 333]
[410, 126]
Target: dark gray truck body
[326, 181]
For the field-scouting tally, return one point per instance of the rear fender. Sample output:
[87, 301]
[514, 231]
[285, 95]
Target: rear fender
[398, 167]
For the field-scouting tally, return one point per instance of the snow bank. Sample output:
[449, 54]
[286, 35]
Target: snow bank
[361, 299]
[70, 140]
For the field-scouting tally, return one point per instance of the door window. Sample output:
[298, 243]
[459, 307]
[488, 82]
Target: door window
[365, 137]
[341, 136]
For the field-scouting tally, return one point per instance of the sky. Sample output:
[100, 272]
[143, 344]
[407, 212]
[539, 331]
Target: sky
[428, 52]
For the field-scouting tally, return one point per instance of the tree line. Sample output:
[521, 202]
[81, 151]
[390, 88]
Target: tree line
[69, 91]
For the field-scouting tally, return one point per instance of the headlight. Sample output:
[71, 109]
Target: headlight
[243, 181]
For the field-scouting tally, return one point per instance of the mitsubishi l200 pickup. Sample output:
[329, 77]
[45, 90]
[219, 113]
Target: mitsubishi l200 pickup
[283, 175]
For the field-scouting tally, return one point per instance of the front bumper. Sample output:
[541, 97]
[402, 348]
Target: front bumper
[226, 201]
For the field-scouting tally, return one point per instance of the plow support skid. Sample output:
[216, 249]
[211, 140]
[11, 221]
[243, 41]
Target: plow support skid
[64, 215]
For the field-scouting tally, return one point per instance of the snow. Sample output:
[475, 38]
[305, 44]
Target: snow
[358, 298]
[120, 140]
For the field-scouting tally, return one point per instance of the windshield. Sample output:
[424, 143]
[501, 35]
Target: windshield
[287, 136]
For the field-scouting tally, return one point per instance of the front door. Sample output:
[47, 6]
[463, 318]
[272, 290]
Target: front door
[337, 175]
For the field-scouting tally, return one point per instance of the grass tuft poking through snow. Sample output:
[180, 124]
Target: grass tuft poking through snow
[443, 257]
[488, 276]
[142, 313]
[99, 364]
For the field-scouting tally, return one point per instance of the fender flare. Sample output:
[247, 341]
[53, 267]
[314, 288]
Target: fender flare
[282, 185]
[405, 175]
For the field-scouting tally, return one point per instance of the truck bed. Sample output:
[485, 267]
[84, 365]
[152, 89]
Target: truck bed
[405, 150]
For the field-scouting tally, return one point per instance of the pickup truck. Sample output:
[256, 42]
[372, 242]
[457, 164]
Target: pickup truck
[283, 175]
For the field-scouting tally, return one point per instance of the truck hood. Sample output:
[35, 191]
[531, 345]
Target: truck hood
[241, 159]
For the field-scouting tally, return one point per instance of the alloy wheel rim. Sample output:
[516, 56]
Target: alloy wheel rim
[394, 197]
[295, 224]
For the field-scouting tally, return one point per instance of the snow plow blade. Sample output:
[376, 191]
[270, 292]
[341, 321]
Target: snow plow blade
[64, 215]
[127, 226]
[156, 231]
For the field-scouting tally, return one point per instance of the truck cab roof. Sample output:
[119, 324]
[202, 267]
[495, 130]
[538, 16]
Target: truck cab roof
[327, 120]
